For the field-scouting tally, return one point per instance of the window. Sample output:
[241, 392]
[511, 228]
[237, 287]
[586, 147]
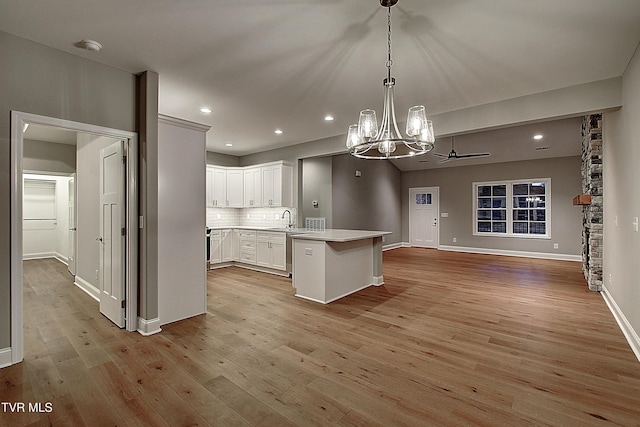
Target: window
[512, 208]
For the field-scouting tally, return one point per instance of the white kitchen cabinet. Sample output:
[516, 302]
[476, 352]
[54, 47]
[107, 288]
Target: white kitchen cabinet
[247, 246]
[234, 188]
[226, 244]
[215, 247]
[236, 244]
[252, 187]
[277, 185]
[271, 250]
[216, 187]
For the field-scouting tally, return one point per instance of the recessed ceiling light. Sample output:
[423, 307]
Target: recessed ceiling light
[278, 132]
[328, 118]
[205, 110]
[90, 45]
[537, 137]
[228, 144]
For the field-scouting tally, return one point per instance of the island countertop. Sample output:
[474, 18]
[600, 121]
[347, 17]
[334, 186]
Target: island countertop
[337, 235]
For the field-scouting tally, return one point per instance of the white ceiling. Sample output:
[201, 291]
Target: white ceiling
[267, 64]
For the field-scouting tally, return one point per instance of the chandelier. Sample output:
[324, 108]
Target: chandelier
[367, 141]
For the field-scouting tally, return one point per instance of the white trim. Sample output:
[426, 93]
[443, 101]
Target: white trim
[18, 119]
[524, 254]
[186, 124]
[87, 287]
[629, 333]
[253, 267]
[378, 280]
[63, 259]
[5, 357]
[338, 297]
[148, 327]
[393, 246]
[40, 255]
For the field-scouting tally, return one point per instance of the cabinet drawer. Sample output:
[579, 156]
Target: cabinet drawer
[248, 255]
[272, 236]
[247, 243]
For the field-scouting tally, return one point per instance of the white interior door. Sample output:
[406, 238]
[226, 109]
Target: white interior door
[72, 225]
[423, 217]
[112, 240]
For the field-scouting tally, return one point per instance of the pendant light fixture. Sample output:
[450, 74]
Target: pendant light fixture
[366, 140]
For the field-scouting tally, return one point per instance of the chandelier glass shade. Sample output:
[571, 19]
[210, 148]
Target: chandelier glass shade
[366, 140]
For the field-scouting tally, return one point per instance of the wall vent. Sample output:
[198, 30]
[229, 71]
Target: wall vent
[315, 224]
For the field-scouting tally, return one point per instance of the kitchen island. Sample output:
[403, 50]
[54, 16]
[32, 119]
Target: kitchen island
[331, 264]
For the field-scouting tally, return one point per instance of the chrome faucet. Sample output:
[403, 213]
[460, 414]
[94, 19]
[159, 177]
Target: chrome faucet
[289, 224]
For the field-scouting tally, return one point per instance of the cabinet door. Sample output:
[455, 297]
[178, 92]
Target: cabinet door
[215, 248]
[263, 252]
[267, 186]
[227, 246]
[235, 190]
[249, 200]
[277, 186]
[219, 187]
[278, 255]
[256, 176]
[209, 186]
[236, 245]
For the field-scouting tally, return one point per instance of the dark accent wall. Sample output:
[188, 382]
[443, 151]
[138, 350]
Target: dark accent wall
[372, 201]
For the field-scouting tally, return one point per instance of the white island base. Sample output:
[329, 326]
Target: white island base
[332, 264]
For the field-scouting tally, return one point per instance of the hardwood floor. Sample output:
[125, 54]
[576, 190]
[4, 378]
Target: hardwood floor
[451, 339]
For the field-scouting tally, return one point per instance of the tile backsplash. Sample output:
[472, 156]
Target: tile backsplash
[250, 217]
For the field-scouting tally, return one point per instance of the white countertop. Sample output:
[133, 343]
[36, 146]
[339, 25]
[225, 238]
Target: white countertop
[334, 235]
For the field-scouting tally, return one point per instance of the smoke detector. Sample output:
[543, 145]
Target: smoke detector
[90, 45]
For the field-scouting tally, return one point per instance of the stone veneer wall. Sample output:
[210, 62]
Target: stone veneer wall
[592, 242]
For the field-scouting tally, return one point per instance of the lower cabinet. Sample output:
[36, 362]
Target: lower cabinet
[262, 248]
[272, 250]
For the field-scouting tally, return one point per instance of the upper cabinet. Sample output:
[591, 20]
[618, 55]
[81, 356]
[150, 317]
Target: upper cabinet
[252, 187]
[234, 188]
[268, 185]
[216, 187]
[277, 185]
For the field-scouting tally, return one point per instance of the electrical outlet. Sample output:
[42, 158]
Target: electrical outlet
[97, 274]
[555, 246]
[455, 239]
[610, 279]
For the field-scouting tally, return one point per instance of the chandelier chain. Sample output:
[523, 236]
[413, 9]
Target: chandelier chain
[389, 60]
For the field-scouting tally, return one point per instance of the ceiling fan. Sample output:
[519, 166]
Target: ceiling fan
[454, 155]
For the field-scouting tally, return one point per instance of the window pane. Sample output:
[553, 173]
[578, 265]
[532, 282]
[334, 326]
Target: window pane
[537, 202]
[520, 189]
[500, 215]
[521, 227]
[484, 214]
[499, 202]
[537, 215]
[520, 215]
[484, 203]
[537, 188]
[484, 227]
[499, 190]
[538, 228]
[484, 190]
[499, 227]
[520, 202]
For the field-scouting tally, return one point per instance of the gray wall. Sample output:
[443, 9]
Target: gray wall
[41, 80]
[316, 185]
[222, 159]
[42, 156]
[457, 200]
[621, 145]
[370, 202]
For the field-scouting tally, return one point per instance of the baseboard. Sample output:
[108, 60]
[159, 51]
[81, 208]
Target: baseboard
[91, 290]
[63, 259]
[628, 331]
[250, 267]
[5, 357]
[148, 327]
[392, 246]
[40, 255]
[523, 254]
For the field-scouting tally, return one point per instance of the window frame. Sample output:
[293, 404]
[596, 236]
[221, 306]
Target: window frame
[510, 208]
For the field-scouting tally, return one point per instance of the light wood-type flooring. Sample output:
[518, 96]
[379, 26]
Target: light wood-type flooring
[451, 339]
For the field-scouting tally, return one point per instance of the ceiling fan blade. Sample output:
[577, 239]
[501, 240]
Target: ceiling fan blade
[463, 156]
[446, 156]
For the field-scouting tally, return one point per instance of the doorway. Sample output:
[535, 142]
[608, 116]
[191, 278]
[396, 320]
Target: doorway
[423, 217]
[19, 121]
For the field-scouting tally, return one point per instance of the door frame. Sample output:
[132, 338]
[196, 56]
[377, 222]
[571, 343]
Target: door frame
[18, 120]
[435, 190]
